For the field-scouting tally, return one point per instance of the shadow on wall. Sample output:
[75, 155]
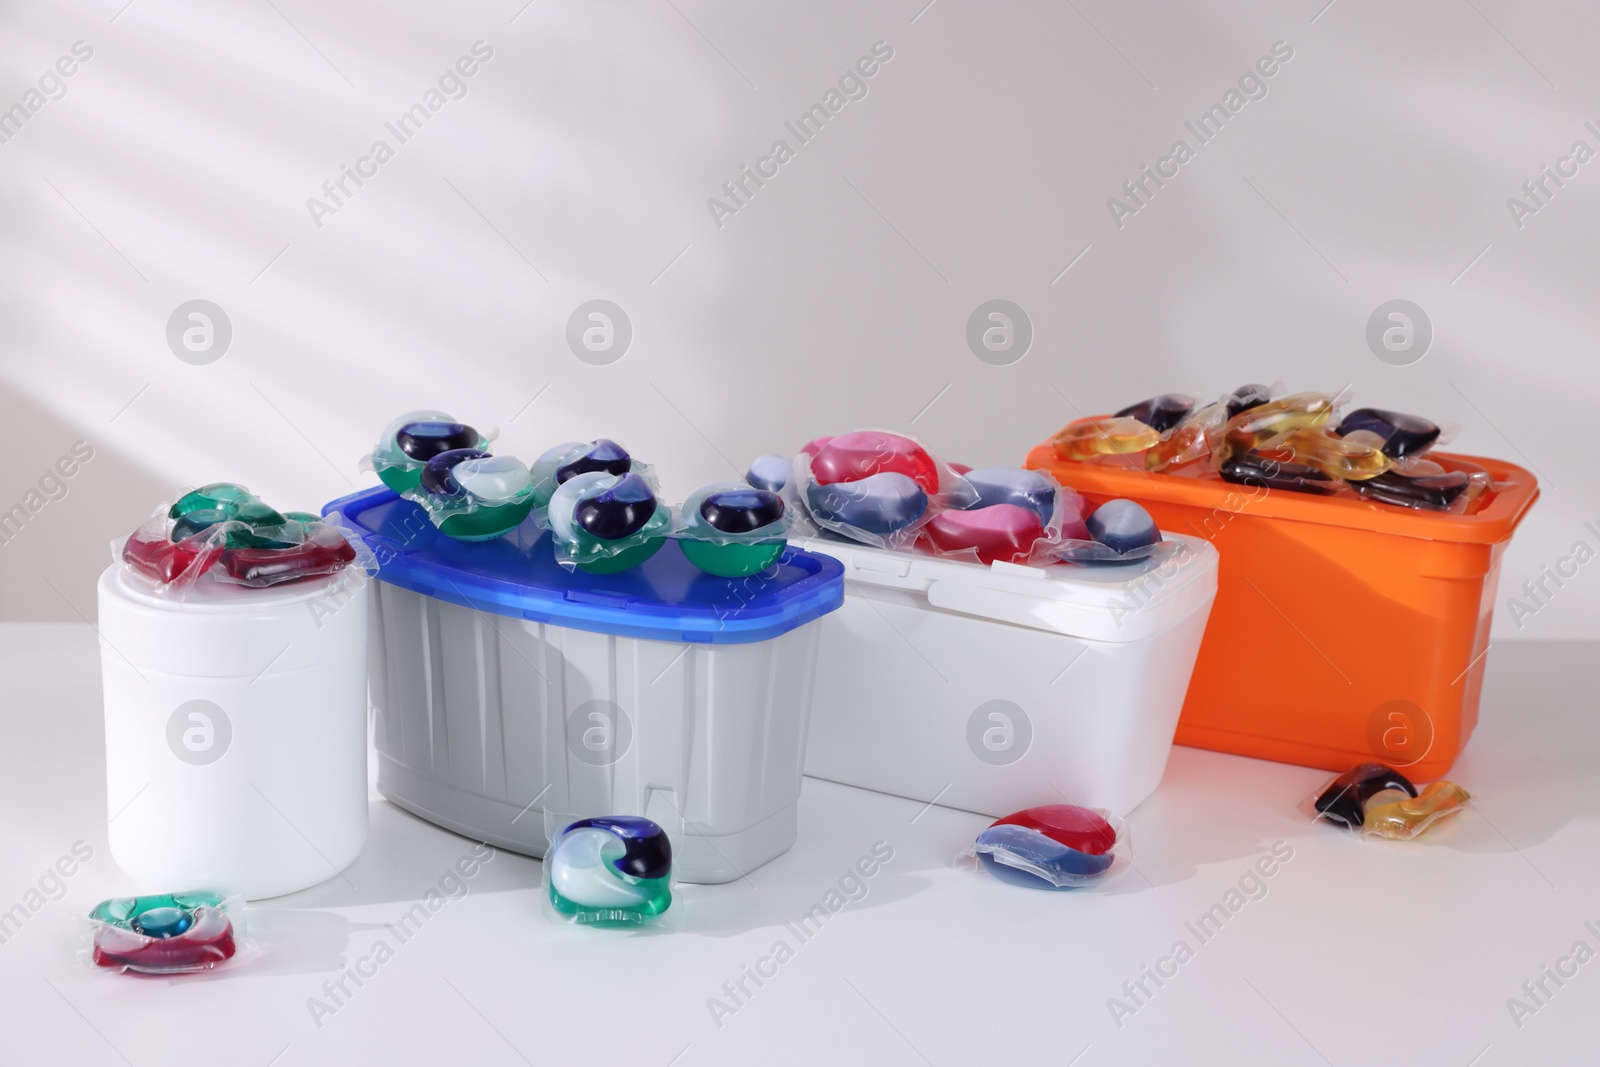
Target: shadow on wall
[64, 495]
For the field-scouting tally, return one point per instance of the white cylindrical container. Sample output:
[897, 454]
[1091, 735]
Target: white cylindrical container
[236, 749]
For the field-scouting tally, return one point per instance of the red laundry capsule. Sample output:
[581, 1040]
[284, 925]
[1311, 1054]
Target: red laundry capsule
[1077, 828]
[853, 456]
[1003, 532]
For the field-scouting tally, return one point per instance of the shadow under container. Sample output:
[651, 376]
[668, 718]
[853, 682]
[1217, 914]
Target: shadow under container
[1344, 630]
[996, 687]
[506, 688]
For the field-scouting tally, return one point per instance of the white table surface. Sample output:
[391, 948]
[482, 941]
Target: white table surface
[1358, 953]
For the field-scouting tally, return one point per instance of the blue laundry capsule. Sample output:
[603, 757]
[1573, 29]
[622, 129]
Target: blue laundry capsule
[1062, 867]
[617, 512]
[422, 441]
[741, 511]
[436, 476]
[878, 504]
[1122, 525]
[604, 456]
[1009, 485]
[162, 922]
[770, 472]
[1403, 435]
[614, 869]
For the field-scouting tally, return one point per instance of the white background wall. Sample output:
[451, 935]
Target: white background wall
[178, 164]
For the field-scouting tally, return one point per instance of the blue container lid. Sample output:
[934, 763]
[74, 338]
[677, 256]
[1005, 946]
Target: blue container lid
[666, 598]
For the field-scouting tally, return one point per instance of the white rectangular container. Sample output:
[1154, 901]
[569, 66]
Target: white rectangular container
[506, 688]
[1001, 687]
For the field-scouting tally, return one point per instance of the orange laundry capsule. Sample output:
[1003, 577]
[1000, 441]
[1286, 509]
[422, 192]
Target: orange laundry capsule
[1338, 457]
[1268, 425]
[1406, 817]
[1088, 438]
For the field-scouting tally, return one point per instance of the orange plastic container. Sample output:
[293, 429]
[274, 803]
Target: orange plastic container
[1343, 630]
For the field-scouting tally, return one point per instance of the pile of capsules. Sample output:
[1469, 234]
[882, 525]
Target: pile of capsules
[1379, 801]
[1293, 442]
[889, 491]
[601, 505]
[1053, 846]
[224, 530]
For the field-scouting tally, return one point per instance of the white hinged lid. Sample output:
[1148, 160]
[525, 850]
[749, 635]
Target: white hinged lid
[1096, 602]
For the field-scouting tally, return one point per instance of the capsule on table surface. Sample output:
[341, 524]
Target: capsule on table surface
[1344, 800]
[612, 869]
[1406, 817]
